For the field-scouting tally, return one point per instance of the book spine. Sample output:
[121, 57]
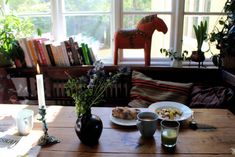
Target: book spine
[92, 55]
[37, 52]
[79, 53]
[55, 56]
[74, 53]
[85, 54]
[23, 45]
[50, 54]
[32, 51]
[89, 54]
[60, 55]
[38, 46]
[46, 54]
[69, 52]
[66, 58]
[82, 56]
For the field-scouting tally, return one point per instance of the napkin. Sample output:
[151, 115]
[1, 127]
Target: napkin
[33, 152]
[17, 146]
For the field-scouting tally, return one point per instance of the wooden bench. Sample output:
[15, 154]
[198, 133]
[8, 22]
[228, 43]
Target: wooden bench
[55, 78]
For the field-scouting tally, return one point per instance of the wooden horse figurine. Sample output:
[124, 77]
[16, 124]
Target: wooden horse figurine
[140, 37]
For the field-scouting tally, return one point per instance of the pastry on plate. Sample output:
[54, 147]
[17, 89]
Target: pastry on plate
[125, 113]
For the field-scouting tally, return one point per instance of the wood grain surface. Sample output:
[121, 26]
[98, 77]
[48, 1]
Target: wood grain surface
[214, 137]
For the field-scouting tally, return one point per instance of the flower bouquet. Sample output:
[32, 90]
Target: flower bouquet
[88, 90]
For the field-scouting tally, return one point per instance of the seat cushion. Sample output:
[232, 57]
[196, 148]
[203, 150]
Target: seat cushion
[146, 91]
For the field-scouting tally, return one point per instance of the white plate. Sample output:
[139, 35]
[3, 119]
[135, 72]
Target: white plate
[122, 122]
[187, 112]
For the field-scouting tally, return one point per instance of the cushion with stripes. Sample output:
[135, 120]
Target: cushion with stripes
[146, 91]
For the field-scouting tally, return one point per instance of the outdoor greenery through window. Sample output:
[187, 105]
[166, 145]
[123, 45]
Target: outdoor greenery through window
[95, 22]
[195, 12]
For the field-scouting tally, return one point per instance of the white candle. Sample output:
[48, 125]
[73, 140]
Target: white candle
[40, 89]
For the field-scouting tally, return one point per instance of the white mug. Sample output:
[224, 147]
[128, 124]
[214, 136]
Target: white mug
[24, 121]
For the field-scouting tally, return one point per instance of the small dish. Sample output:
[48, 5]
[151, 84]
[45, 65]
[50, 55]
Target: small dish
[122, 122]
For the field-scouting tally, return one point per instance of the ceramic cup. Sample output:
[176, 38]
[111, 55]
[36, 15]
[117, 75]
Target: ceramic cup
[24, 121]
[147, 123]
[169, 132]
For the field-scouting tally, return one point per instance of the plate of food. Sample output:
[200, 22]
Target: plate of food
[124, 116]
[171, 110]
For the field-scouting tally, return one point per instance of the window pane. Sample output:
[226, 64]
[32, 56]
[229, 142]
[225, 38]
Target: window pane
[93, 30]
[189, 40]
[87, 5]
[33, 10]
[43, 23]
[147, 5]
[29, 6]
[204, 5]
[159, 40]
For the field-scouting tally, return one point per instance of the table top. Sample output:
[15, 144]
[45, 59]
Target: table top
[215, 135]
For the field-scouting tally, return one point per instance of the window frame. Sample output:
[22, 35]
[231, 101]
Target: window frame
[116, 13]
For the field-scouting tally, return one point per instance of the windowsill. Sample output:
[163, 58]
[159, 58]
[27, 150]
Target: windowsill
[162, 63]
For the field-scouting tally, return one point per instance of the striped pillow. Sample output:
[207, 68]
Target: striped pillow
[145, 90]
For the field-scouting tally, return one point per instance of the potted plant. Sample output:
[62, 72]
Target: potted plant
[201, 35]
[176, 57]
[223, 35]
[87, 91]
[11, 29]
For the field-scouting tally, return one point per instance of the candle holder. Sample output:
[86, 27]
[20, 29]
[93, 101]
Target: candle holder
[46, 139]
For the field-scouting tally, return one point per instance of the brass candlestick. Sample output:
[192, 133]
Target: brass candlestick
[46, 139]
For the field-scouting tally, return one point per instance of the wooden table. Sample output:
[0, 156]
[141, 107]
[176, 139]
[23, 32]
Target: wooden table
[215, 136]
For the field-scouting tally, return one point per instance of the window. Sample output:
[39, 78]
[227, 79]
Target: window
[37, 10]
[134, 10]
[95, 22]
[195, 12]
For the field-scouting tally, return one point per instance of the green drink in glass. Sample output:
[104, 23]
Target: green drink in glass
[169, 133]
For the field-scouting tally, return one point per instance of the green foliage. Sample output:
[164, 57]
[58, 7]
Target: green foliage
[175, 55]
[88, 5]
[201, 34]
[223, 34]
[12, 28]
[87, 91]
[134, 5]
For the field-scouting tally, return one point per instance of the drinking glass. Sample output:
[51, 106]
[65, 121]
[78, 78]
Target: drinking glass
[24, 121]
[169, 133]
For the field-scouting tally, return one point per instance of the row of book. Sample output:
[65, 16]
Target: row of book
[48, 53]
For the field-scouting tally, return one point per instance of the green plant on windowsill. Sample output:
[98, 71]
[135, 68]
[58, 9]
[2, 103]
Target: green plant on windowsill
[201, 36]
[223, 34]
[175, 55]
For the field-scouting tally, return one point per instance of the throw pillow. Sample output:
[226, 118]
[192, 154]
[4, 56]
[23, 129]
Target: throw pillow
[146, 91]
[210, 97]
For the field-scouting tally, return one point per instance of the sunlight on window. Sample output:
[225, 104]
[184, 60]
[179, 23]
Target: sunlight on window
[159, 40]
[189, 40]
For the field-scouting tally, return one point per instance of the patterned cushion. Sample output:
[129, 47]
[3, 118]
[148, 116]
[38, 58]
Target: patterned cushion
[146, 91]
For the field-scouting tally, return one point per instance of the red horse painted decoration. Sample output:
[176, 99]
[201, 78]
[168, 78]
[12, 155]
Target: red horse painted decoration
[140, 37]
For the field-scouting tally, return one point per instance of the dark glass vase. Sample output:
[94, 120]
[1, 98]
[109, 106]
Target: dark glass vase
[89, 128]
